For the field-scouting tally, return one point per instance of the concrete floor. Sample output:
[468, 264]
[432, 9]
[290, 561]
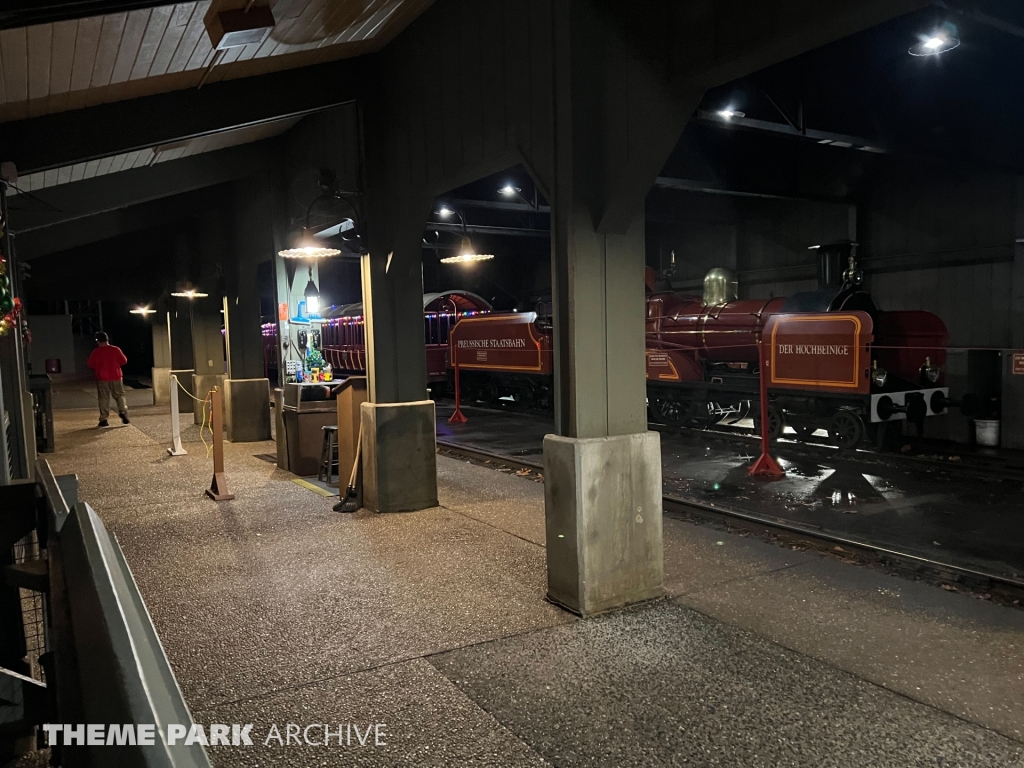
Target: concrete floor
[273, 609]
[945, 515]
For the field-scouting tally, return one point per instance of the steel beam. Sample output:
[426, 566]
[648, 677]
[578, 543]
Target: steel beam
[68, 235]
[65, 138]
[819, 137]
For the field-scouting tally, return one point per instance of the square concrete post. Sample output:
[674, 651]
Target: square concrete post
[399, 444]
[247, 391]
[616, 121]
[161, 357]
[207, 348]
[602, 474]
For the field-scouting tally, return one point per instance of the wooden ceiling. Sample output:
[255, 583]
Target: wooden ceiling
[66, 65]
[125, 161]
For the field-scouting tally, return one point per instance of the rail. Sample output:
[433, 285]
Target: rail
[105, 662]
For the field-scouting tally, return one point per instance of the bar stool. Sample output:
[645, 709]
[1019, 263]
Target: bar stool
[329, 455]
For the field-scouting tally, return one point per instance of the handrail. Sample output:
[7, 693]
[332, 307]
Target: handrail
[108, 666]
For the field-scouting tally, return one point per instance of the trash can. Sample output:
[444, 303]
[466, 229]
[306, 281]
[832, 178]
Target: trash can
[986, 432]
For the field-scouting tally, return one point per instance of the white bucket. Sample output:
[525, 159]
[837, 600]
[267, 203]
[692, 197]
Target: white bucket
[986, 431]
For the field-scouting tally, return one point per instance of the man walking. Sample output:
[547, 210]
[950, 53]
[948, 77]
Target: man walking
[106, 360]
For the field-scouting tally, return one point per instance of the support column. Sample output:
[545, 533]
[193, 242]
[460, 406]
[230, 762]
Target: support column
[616, 122]
[182, 365]
[162, 364]
[399, 443]
[247, 390]
[207, 348]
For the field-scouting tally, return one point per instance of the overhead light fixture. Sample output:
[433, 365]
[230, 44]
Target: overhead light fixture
[142, 311]
[941, 40]
[467, 254]
[445, 212]
[729, 114]
[189, 293]
[307, 247]
[509, 191]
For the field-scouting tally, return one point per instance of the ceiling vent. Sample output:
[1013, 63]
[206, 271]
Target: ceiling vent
[238, 27]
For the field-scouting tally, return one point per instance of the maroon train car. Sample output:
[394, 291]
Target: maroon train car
[341, 335]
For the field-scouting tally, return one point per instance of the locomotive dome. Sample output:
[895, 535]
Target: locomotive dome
[720, 286]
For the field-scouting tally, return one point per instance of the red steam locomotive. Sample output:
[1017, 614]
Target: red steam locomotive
[833, 359]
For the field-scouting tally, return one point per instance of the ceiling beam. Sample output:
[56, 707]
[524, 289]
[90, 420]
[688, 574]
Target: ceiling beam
[25, 13]
[67, 235]
[830, 138]
[81, 199]
[65, 138]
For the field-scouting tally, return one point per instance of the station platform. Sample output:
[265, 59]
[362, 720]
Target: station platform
[274, 609]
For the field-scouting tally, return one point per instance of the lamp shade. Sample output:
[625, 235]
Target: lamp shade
[467, 254]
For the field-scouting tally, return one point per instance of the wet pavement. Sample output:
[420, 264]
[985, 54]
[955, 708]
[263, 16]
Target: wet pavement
[960, 518]
[274, 609]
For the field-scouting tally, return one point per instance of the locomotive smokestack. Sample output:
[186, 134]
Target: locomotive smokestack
[832, 262]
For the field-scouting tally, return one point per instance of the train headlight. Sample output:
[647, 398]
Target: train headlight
[879, 376]
[930, 373]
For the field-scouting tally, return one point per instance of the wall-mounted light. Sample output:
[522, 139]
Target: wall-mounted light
[467, 254]
[142, 311]
[729, 114]
[307, 247]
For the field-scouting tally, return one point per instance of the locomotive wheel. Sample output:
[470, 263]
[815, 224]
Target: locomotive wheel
[846, 429]
[776, 423]
[670, 412]
[524, 396]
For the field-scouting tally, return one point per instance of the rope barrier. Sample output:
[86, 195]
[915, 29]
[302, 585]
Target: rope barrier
[203, 423]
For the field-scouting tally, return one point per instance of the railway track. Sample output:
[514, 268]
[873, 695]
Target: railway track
[950, 576]
[967, 463]
[964, 463]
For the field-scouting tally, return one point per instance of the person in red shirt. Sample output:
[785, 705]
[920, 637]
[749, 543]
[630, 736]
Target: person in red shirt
[106, 361]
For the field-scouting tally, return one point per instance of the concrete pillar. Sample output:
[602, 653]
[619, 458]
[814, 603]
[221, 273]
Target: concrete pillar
[1012, 427]
[207, 348]
[247, 392]
[162, 362]
[615, 124]
[400, 462]
[180, 318]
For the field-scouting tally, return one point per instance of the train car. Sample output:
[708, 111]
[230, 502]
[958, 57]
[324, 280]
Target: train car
[341, 337]
[834, 360]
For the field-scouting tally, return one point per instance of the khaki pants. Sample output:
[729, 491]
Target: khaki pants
[107, 389]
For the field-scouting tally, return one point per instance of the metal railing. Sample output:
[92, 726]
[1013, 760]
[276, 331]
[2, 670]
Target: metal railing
[104, 662]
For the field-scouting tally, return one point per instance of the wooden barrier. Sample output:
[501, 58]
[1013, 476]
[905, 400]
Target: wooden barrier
[218, 490]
